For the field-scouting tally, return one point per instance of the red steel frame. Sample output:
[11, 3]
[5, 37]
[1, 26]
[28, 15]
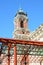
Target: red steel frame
[10, 41]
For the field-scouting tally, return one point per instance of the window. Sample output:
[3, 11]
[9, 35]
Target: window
[21, 24]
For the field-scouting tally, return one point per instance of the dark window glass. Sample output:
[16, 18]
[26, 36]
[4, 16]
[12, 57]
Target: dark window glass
[21, 24]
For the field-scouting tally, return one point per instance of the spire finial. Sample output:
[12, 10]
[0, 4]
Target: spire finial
[20, 10]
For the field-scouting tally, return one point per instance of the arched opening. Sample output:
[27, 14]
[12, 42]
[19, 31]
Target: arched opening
[21, 24]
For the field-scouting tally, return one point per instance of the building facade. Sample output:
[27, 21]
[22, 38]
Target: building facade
[26, 54]
[21, 32]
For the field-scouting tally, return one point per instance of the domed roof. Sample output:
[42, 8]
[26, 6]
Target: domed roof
[21, 12]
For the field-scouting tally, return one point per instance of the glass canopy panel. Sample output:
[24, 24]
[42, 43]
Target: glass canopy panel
[29, 50]
[4, 49]
[24, 50]
[0, 45]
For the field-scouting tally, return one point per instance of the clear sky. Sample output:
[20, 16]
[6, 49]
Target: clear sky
[8, 9]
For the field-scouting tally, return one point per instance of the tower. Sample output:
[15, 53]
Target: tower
[20, 23]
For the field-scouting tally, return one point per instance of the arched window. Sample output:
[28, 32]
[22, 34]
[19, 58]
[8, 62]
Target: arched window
[21, 24]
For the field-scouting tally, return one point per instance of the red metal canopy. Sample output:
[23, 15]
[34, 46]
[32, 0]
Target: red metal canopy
[16, 41]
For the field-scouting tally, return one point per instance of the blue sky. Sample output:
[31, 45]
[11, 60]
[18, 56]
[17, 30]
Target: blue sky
[8, 9]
